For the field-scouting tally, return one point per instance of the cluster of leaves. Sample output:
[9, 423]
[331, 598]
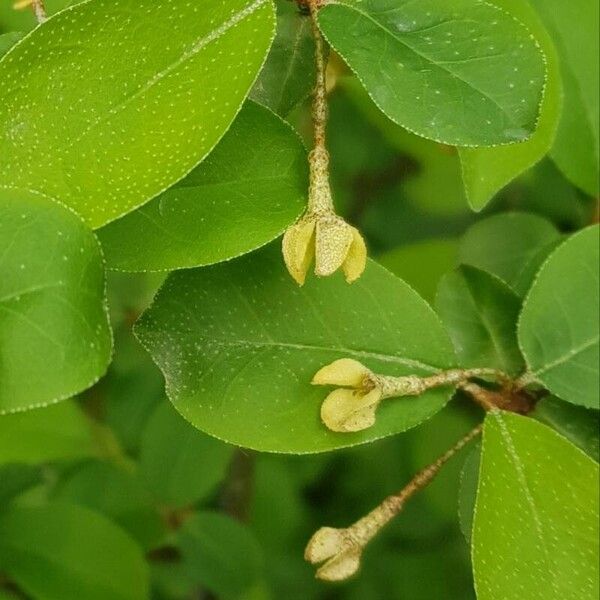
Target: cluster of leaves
[157, 136]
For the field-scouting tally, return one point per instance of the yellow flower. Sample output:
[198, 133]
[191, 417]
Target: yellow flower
[339, 550]
[346, 409]
[352, 407]
[330, 241]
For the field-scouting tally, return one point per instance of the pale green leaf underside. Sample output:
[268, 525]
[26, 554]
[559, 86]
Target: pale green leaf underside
[461, 72]
[249, 189]
[108, 103]
[559, 328]
[535, 531]
[574, 26]
[67, 552]
[55, 338]
[487, 170]
[239, 343]
[480, 311]
[57, 432]
[511, 246]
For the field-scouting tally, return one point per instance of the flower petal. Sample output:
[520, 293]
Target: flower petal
[342, 566]
[356, 259]
[344, 372]
[347, 410]
[333, 240]
[298, 248]
[325, 543]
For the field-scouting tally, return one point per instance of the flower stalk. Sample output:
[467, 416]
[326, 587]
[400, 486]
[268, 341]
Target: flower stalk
[320, 234]
[353, 405]
[340, 550]
[38, 7]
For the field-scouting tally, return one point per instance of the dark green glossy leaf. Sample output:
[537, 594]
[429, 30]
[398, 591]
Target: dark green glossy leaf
[487, 170]
[102, 109]
[574, 27]
[239, 343]
[480, 312]
[66, 552]
[117, 493]
[55, 339]
[579, 425]
[220, 554]
[559, 328]
[250, 188]
[179, 464]
[469, 479]
[511, 246]
[422, 264]
[535, 533]
[288, 75]
[462, 71]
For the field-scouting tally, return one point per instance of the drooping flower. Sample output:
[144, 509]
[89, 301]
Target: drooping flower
[352, 406]
[338, 550]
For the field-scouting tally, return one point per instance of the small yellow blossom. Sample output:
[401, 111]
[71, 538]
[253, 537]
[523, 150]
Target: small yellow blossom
[338, 550]
[321, 234]
[352, 406]
[330, 241]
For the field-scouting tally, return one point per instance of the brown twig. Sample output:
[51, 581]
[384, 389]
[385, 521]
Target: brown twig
[341, 549]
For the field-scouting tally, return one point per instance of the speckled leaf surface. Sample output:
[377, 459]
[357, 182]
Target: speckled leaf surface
[559, 328]
[288, 75]
[535, 533]
[107, 104]
[239, 343]
[61, 551]
[511, 246]
[55, 338]
[487, 170]
[574, 26]
[461, 72]
[480, 312]
[251, 187]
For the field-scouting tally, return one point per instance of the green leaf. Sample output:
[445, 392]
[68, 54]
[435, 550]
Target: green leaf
[16, 479]
[12, 19]
[422, 264]
[104, 140]
[442, 69]
[116, 493]
[220, 554]
[487, 170]
[239, 343]
[574, 27]
[8, 40]
[288, 75]
[579, 425]
[511, 246]
[55, 338]
[536, 520]
[250, 188]
[467, 494]
[58, 432]
[480, 312]
[559, 329]
[178, 464]
[67, 552]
